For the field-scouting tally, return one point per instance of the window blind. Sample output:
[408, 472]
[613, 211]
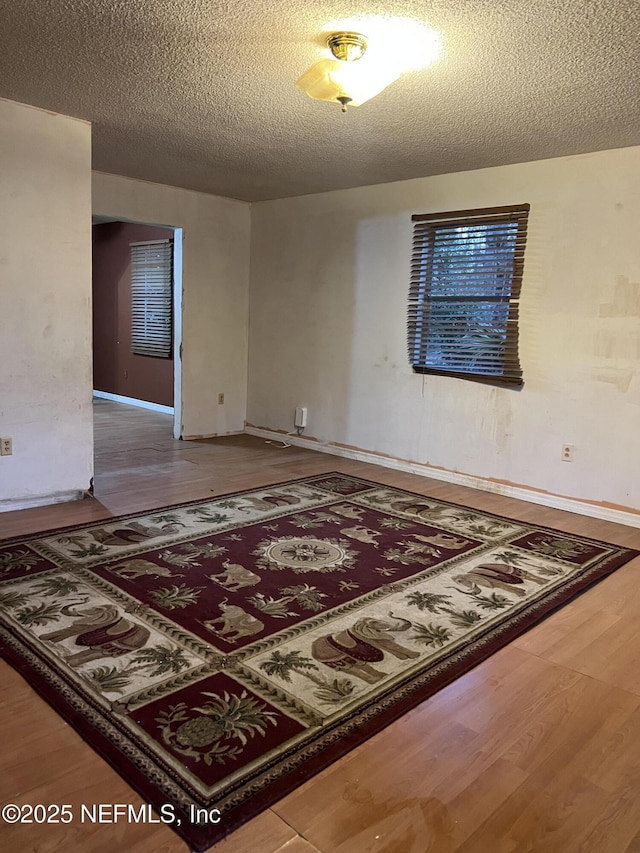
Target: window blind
[152, 298]
[466, 276]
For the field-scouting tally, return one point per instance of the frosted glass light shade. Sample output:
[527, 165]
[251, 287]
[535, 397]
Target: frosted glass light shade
[360, 81]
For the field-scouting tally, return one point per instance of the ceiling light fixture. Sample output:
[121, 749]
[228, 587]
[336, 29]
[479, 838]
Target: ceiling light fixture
[350, 78]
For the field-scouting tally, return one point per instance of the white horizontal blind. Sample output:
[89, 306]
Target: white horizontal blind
[466, 274]
[152, 298]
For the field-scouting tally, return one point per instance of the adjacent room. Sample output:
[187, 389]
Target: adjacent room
[319, 426]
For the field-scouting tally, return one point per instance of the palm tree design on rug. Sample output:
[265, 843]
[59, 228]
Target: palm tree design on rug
[184, 560]
[11, 561]
[207, 515]
[312, 519]
[281, 665]
[58, 587]
[307, 597]
[38, 614]
[276, 607]
[433, 603]
[492, 601]
[160, 660]
[82, 549]
[185, 554]
[517, 558]
[166, 518]
[412, 552]
[395, 524]
[175, 597]
[439, 603]
[13, 598]
[431, 635]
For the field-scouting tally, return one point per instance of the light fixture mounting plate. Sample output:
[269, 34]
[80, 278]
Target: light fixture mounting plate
[347, 46]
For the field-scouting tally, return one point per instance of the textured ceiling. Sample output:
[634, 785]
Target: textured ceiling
[201, 94]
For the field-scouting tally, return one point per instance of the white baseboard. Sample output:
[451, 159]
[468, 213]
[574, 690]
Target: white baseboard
[131, 401]
[213, 435]
[522, 493]
[12, 504]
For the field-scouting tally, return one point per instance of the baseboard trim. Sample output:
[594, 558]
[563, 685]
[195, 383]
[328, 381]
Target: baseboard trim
[213, 435]
[131, 401]
[594, 510]
[12, 504]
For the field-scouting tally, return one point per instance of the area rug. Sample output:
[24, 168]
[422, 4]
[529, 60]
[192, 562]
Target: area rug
[220, 652]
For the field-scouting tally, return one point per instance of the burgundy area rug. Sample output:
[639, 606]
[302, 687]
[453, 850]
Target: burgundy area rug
[218, 653]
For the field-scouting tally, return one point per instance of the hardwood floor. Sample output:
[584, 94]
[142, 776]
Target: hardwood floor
[537, 749]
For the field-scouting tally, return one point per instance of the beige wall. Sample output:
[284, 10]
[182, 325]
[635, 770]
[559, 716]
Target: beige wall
[45, 310]
[329, 278]
[215, 300]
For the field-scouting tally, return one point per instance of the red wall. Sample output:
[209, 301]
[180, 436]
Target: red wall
[115, 368]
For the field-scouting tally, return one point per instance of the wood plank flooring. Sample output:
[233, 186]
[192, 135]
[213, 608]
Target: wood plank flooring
[537, 749]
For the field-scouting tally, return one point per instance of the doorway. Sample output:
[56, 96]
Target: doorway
[137, 315]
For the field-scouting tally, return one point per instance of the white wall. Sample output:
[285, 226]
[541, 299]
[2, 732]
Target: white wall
[45, 305]
[215, 301]
[329, 280]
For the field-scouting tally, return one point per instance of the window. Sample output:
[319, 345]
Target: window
[152, 298]
[466, 273]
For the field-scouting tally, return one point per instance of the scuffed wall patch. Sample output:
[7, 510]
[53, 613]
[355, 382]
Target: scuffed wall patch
[616, 342]
[620, 378]
[626, 299]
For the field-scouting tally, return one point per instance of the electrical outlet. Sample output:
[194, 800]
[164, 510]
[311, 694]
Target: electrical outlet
[220, 399]
[6, 447]
[567, 453]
